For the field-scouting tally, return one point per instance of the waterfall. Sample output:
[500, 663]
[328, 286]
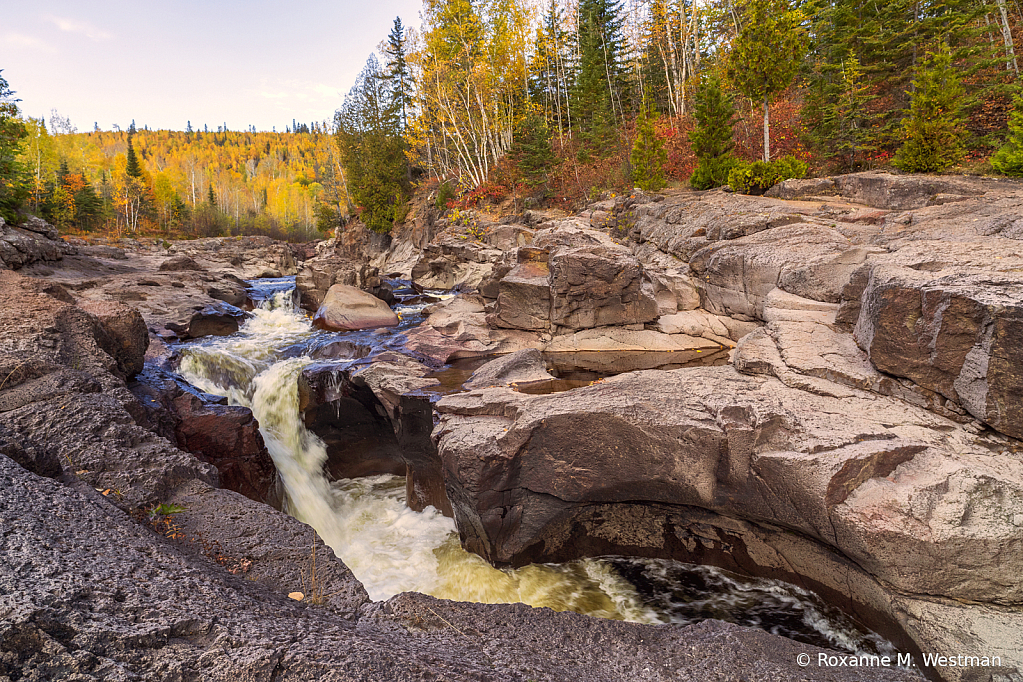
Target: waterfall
[392, 549]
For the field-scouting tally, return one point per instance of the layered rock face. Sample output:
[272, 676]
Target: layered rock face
[863, 442]
[95, 585]
[31, 241]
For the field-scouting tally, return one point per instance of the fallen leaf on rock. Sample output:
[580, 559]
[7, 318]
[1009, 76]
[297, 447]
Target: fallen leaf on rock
[297, 596]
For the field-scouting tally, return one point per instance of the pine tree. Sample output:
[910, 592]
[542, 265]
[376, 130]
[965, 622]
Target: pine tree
[600, 79]
[373, 152]
[397, 75]
[1009, 159]
[711, 139]
[532, 150]
[933, 131]
[14, 182]
[648, 155]
[211, 198]
[133, 168]
[766, 54]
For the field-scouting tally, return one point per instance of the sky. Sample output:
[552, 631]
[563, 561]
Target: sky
[163, 64]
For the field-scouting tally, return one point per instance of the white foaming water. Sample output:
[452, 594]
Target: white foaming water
[389, 547]
[393, 549]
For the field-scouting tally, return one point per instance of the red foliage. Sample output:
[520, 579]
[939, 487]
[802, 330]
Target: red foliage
[488, 192]
[674, 133]
[574, 179]
[786, 128]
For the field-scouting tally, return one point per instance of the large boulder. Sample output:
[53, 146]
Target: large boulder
[125, 336]
[596, 286]
[226, 436]
[346, 308]
[454, 260]
[707, 465]
[33, 241]
[955, 333]
[519, 367]
[524, 296]
[319, 274]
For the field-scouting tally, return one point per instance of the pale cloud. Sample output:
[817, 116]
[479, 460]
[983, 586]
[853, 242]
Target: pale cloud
[19, 41]
[83, 27]
[300, 91]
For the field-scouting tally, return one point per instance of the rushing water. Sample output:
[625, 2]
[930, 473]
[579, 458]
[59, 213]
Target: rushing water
[392, 549]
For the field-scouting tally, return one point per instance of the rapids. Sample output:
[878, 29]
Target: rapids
[392, 549]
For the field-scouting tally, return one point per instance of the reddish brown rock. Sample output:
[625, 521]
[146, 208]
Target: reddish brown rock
[126, 337]
[346, 308]
[957, 334]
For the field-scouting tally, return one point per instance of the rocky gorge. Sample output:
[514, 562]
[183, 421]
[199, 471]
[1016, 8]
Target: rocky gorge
[856, 433]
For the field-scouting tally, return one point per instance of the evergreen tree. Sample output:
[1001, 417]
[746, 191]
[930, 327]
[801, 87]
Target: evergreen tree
[600, 78]
[397, 74]
[933, 131]
[711, 138]
[766, 54]
[211, 198]
[1009, 159]
[372, 151]
[532, 150]
[14, 182]
[188, 128]
[133, 168]
[648, 155]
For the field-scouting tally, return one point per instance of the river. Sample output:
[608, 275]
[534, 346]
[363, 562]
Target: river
[393, 549]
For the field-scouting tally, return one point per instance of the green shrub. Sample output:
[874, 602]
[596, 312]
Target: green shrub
[789, 167]
[760, 176]
[713, 172]
[1009, 159]
[445, 193]
[934, 130]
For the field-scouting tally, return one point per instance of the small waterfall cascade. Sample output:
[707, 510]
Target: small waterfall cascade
[392, 549]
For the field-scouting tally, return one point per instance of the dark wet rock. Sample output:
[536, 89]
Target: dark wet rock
[233, 293]
[179, 263]
[225, 436]
[351, 421]
[521, 366]
[216, 319]
[125, 337]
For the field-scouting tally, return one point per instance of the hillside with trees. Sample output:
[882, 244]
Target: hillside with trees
[557, 101]
[484, 88]
[191, 183]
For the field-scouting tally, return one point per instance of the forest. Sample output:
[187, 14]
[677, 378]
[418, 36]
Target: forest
[176, 183]
[563, 99]
[556, 101]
